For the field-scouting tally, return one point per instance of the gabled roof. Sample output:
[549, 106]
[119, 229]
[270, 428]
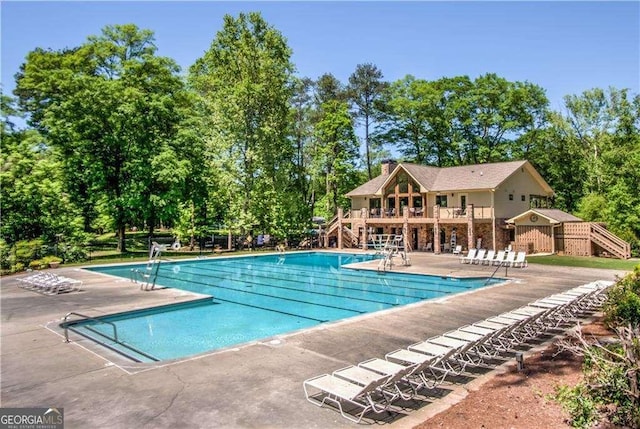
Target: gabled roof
[552, 215]
[371, 187]
[446, 179]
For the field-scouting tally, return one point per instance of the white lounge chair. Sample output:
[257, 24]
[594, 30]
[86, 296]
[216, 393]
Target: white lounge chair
[399, 377]
[510, 259]
[422, 377]
[444, 354]
[499, 259]
[471, 254]
[520, 260]
[479, 256]
[328, 388]
[457, 250]
[488, 259]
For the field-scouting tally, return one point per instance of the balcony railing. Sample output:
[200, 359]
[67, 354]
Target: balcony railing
[479, 212]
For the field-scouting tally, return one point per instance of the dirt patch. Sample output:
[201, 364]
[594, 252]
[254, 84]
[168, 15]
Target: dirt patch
[520, 399]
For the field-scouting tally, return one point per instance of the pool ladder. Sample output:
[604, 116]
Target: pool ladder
[150, 274]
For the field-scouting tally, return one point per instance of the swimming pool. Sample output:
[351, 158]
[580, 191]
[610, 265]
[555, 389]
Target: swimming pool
[257, 297]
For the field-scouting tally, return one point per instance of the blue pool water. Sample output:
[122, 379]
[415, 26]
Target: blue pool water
[256, 297]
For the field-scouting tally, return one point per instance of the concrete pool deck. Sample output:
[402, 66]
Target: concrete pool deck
[256, 385]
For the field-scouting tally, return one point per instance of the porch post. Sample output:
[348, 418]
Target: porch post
[436, 229]
[470, 227]
[339, 229]
[405, 226]
[365, 237]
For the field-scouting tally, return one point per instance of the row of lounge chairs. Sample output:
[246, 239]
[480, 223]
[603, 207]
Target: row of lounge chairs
[375, 384]
[491, 257]
[49, 283]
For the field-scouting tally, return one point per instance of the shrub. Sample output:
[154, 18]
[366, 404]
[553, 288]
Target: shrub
[27, 251]
[578, 403]
[623, 303]
[72, 253]
[17, 267]
[37, 264]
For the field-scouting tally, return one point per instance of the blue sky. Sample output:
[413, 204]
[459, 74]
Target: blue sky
[565, 47]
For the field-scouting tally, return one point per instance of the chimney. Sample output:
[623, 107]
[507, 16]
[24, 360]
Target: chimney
[388, 165]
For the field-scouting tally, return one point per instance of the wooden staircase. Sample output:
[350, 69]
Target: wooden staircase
[609, 241]
[349, 238]
[352, 240]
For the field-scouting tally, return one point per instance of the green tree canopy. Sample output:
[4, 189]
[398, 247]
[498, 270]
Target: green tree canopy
[110, 106]
[245, 83]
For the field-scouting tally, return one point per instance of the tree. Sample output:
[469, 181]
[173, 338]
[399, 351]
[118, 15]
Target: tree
[604, 126]
[302, 115]
[365, 89]
[33, 199]
[558, 158]
[110, 106]
[407, 105]
[335, 149]
[244, 81]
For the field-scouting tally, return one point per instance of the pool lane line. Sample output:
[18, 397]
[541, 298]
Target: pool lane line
[322, 288]
[355, 274]
[311, 293]
[320, 283]
[262, 294]
[302, 291]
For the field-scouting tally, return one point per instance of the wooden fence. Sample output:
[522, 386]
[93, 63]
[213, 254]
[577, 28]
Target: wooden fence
[573, 239]
[536, 237]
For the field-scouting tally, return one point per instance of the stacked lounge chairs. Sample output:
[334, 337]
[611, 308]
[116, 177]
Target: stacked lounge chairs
[374, 385]
[49, 284]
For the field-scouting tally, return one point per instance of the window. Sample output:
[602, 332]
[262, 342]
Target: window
[510, 197]
[539, 202]
[523, 198]
[441, 200]
[403, 184]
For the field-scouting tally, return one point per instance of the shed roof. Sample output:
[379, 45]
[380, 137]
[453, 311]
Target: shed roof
[552, 215]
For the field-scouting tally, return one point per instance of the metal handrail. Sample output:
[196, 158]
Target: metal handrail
[66, 328]
[506, 271]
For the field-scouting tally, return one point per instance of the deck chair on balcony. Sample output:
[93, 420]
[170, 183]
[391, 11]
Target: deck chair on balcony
[329, 388]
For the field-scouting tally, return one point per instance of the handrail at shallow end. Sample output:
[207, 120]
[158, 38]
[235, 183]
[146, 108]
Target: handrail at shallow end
[65, 324]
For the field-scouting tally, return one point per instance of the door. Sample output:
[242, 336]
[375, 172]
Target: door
[463, 203]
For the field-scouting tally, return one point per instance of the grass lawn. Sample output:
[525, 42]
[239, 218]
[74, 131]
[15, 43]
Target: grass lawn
[585, 261]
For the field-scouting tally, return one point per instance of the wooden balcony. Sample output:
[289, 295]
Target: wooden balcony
[456, 214]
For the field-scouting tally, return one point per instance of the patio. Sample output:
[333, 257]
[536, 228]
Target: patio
[254, 385]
